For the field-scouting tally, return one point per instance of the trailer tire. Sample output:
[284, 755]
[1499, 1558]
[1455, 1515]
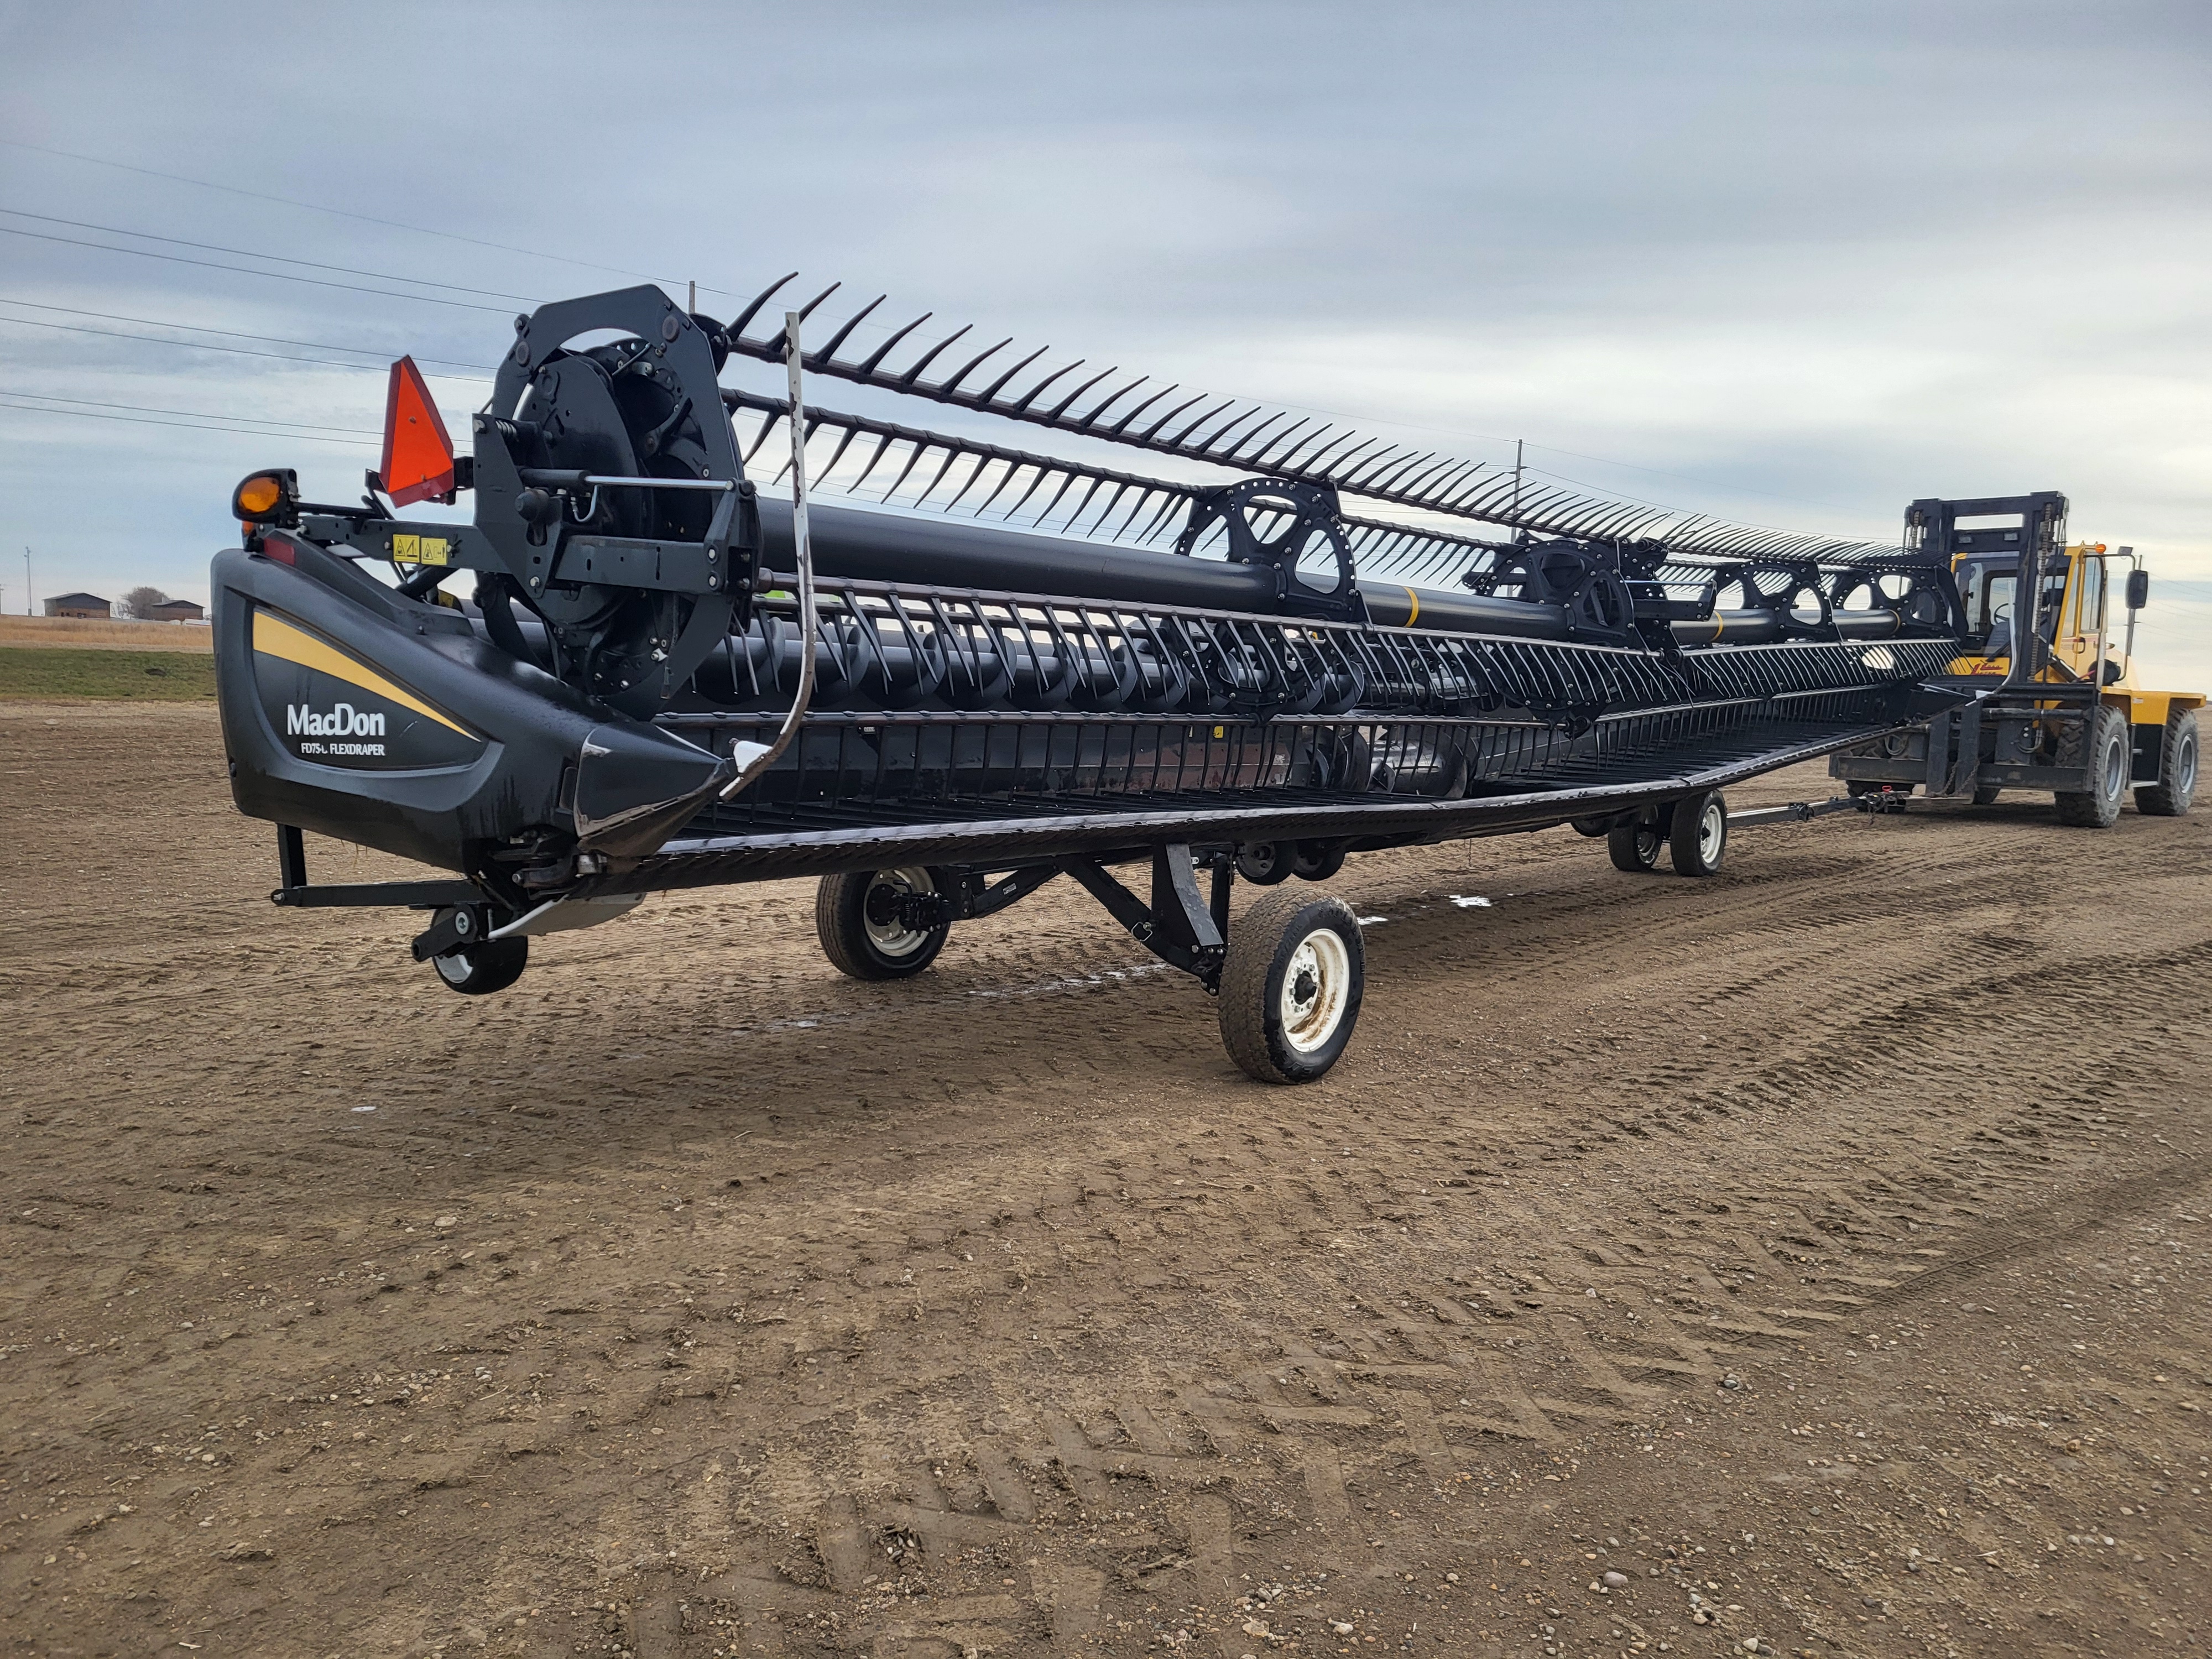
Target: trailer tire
[2110, 757]
[2170, 797]
[1290, 987]
[1698, 835]
[1985, 794]
[488, 965]
[1634, 843]
[864, 941]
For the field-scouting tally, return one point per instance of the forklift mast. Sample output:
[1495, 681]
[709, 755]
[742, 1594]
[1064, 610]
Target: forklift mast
[2032, 526]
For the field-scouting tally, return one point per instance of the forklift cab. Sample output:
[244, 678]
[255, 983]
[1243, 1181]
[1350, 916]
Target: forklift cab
[2071, 616]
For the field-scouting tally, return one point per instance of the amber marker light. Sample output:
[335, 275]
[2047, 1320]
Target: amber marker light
[264, 498]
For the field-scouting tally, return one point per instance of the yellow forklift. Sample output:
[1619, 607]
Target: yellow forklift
[2054, 709]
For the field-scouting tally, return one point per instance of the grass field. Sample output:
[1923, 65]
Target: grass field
[88, 632]
[66, 672]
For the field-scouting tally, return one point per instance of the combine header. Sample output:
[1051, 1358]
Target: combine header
[1292, 643]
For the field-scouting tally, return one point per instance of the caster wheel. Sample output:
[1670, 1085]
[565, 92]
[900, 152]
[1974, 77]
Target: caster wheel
[1264, 863]
[1316, 861]
[1634, 844]
[880, 924]
[479, 969]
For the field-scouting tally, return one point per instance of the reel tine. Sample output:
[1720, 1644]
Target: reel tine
[1152, 431]
[907, 381]
[823, 355]
[984, 397]
[1122, 425]
[1100, 408]
[1176, 441]
[946, 388]
[1061, 408]
[738, 328]
[769, 423]
[883, 350]
[1037, 390]
[982, 461]
[807, 310]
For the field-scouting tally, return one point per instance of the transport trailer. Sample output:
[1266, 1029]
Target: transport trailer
[1017, 666]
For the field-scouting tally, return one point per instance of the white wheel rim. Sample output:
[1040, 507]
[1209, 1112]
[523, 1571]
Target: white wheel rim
[1712, 831]
[1317, 982]
[894, 938]
[2116, 769]
[453, 968]
[2184, 767]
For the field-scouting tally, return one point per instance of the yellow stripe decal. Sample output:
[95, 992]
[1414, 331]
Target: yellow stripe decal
[278, 638]
[1414, 599]
[1719, 622]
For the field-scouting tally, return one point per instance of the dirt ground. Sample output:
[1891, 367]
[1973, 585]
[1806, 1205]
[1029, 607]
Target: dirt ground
[1809, 1261]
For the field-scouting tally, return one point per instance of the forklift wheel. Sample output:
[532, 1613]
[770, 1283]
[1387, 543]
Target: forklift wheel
[479, 969]
[1634, 843]
[2111, 755]
[1697, 837]
[857, 917]
[1290, 987]
[2169, 798]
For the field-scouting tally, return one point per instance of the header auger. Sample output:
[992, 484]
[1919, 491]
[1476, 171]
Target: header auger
[1009, 665]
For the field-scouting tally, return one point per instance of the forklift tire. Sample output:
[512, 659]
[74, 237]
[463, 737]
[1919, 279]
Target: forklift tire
[2111, 757]
[488, 965]
[1634, 844]
[1290, 987]
[2170, 797]
[856, 918]
[1698, 836]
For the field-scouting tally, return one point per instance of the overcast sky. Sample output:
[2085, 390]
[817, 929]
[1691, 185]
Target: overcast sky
[1784, 263]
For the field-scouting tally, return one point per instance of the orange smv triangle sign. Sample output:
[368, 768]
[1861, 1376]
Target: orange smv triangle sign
[418, 457]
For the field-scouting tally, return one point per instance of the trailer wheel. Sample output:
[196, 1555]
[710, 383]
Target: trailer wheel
[2170, 797]
[1290, 987]
[1698, 836]
[2110, 757]
[1634, 843]
[1985, 794]
[1264, 863]
[865, 923]
[1591, 828]
[490, 966]
[1316, 861]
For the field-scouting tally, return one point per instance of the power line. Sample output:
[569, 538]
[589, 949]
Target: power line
[340, 213]
[280, 258]
[230, 333]
[247, 270]
[235, 351]
[195, 414]
[188, 426]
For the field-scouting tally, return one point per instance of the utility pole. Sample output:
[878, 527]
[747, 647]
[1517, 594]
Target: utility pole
[1517, 477]
[27, 600]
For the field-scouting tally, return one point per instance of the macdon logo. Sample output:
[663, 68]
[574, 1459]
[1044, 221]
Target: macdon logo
[344, 721]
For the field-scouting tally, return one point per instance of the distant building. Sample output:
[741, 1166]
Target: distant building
[176, 611]
[79, 605]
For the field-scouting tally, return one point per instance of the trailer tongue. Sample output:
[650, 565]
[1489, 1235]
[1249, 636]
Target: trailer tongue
[1039, 665]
